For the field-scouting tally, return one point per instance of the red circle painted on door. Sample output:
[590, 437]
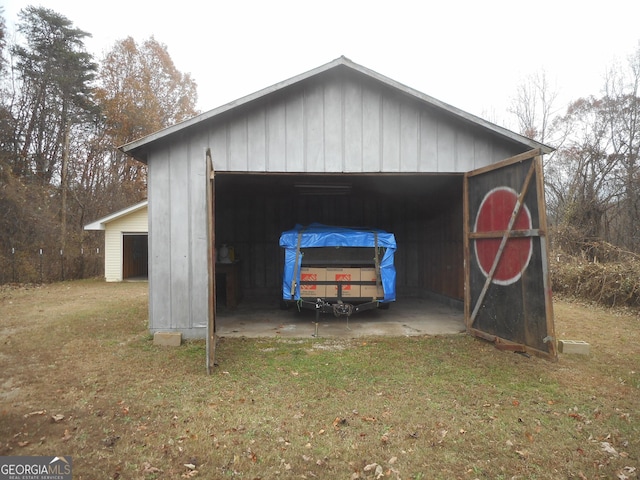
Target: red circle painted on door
[493, 215]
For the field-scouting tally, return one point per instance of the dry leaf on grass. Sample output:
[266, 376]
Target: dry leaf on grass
[608, 448]
[37, 412]
[148, 468]
[339, 422]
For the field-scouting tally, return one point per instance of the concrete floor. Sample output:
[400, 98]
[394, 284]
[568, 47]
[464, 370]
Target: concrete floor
[410, 316]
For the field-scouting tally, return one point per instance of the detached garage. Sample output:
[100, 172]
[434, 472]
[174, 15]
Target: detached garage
[125, 243]
[343, 145]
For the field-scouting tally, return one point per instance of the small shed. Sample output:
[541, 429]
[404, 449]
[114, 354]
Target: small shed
[125, 243]
[344, 145]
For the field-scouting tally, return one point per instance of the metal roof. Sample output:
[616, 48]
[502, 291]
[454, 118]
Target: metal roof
[139, 148]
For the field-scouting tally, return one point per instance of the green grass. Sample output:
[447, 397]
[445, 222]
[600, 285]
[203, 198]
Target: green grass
[417, 407]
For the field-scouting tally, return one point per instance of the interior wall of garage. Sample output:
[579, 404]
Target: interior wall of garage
[423, 211]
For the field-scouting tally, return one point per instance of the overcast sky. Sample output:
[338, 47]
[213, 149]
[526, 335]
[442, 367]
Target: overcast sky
[470, 54]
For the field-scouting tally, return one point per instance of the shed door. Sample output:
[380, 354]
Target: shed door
[507, 287]
[211, 324]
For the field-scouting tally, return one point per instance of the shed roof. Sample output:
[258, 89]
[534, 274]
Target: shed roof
[101, 223]
[139, 148]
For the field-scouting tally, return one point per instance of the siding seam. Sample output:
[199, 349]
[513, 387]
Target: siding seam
[190, 230]
[343, 127]
[381, 132]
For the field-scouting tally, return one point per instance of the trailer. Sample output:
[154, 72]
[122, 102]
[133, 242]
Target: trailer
[339, 270]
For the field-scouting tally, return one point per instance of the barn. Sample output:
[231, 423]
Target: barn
[344, 145]
[125, 243]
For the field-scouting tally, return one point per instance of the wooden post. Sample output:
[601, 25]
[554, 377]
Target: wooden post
[211, 262]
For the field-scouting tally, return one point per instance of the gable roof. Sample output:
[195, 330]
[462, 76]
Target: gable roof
[102, 222]
[139, 148]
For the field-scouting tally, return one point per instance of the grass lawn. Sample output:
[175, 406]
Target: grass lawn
[80, 376]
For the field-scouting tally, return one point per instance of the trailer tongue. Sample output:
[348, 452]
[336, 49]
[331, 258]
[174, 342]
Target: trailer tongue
[338, 270]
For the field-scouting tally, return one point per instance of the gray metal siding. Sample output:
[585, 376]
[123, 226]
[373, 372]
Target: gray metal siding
[178, 298]
[159, 244]
[346, 126]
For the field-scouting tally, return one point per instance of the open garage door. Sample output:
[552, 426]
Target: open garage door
[507, 286]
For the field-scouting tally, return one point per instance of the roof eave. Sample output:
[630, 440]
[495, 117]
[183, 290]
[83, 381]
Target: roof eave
[101, 223]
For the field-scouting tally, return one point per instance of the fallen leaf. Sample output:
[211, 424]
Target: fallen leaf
[190, 466]
[338, 422]
[607, 448]
[148, 468]
[37, 412]
[67, 436]
[378, 473]
[57, 418]
[371, 466]
[23, 444]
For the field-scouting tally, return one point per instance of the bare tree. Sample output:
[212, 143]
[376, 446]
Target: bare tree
[586, 187]
[533, 107]
[621, 111]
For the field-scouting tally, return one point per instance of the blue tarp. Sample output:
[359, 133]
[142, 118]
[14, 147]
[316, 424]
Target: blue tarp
[318, 235]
